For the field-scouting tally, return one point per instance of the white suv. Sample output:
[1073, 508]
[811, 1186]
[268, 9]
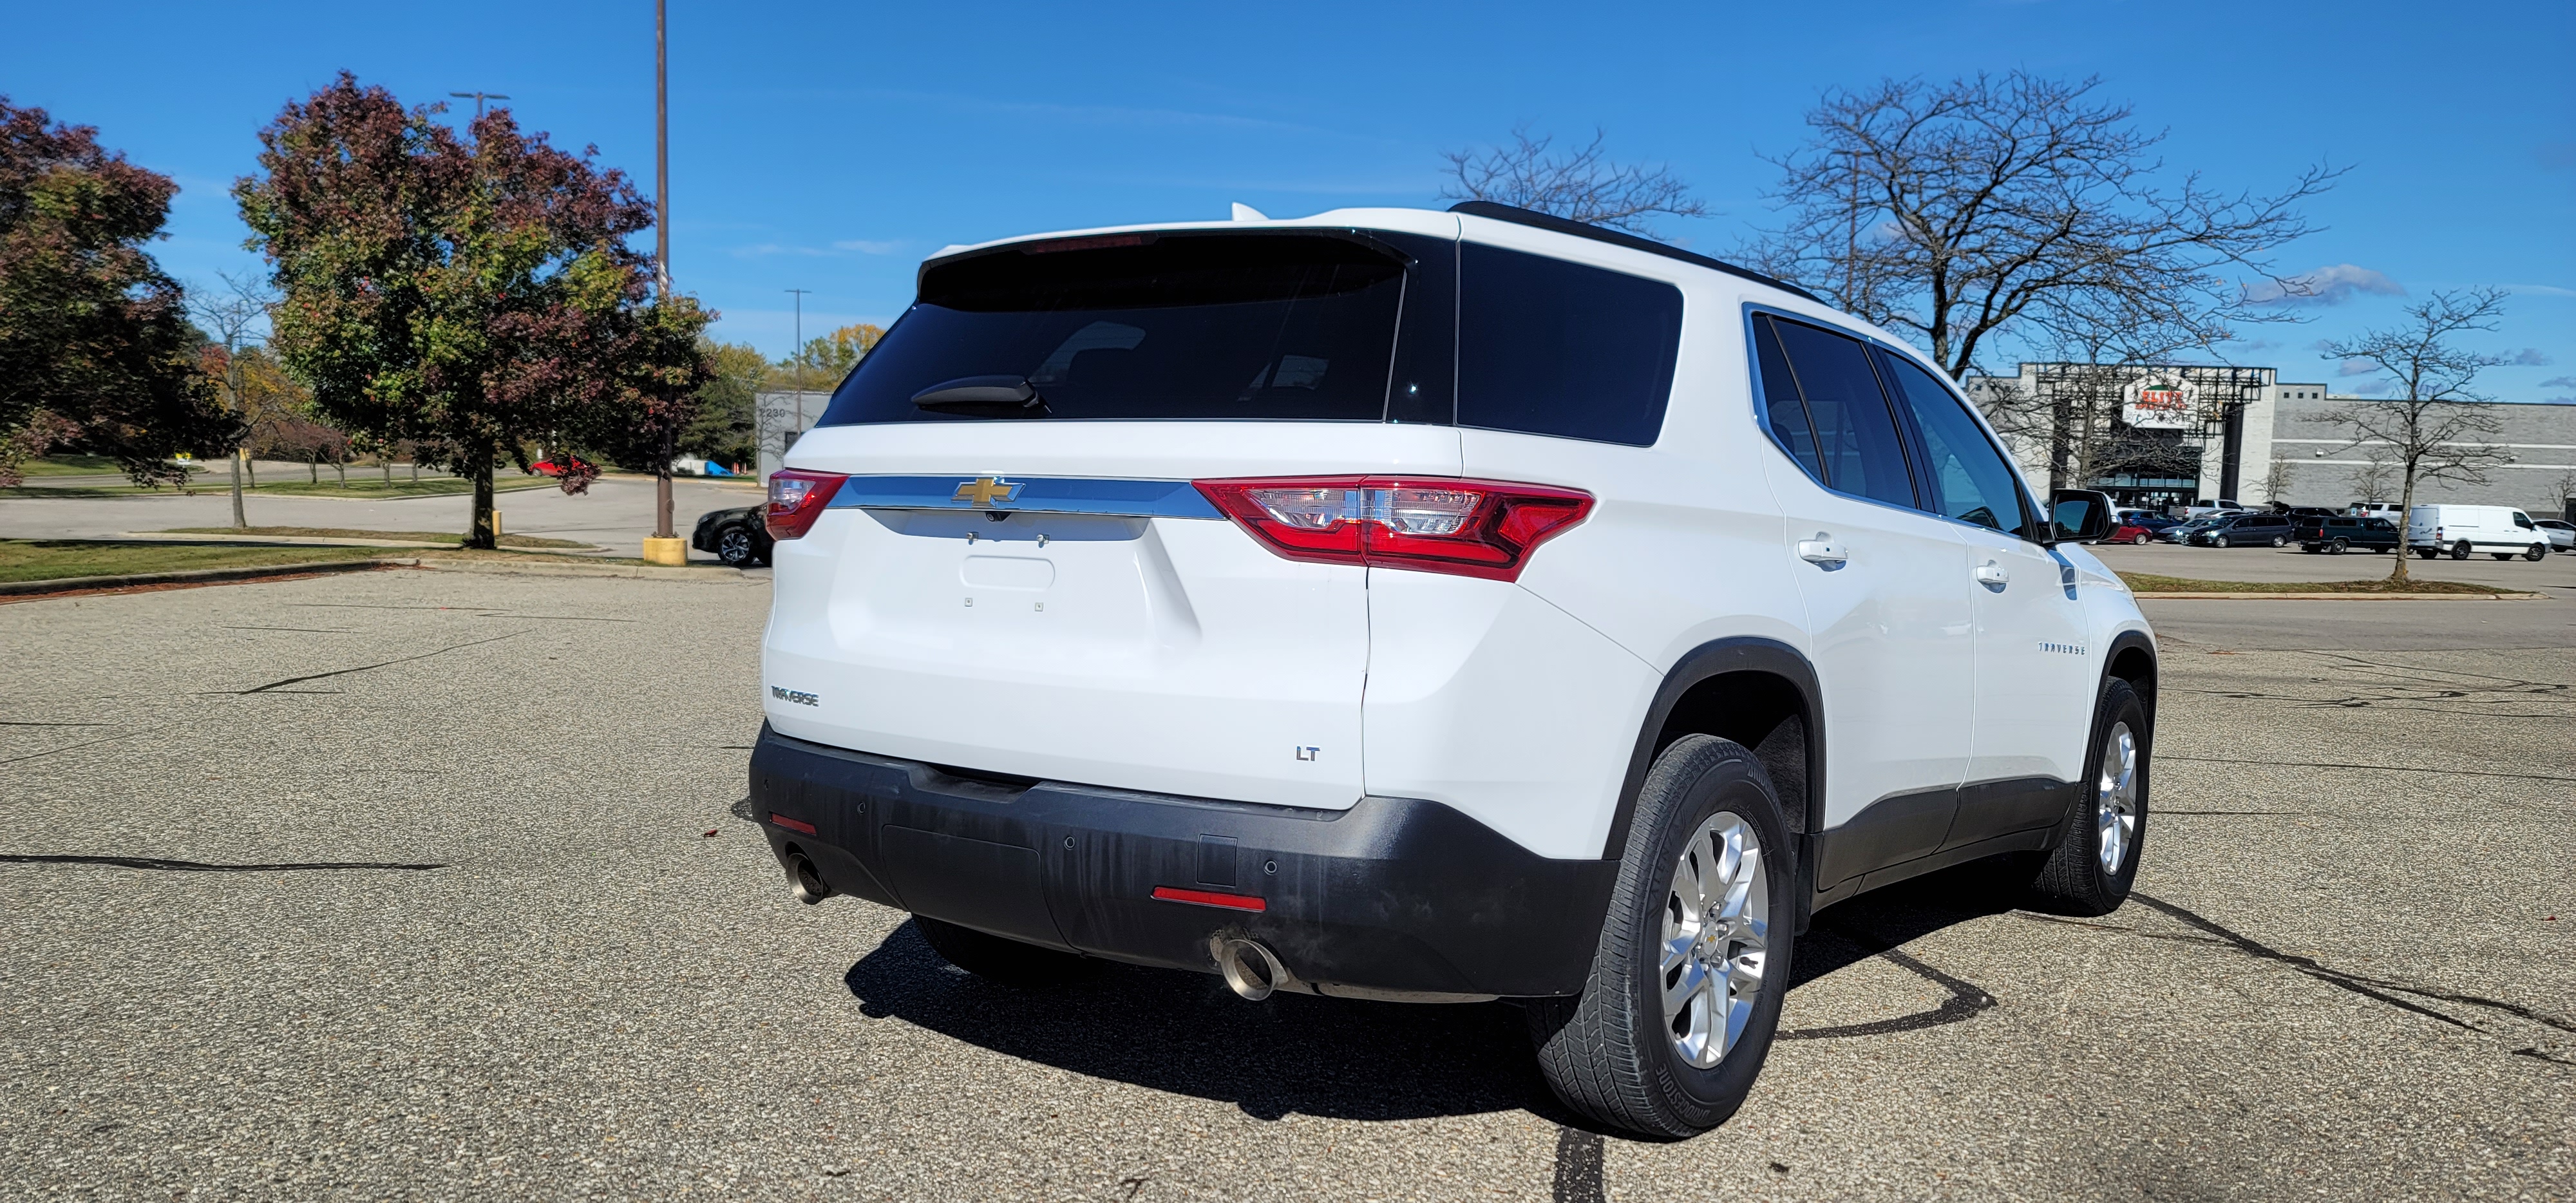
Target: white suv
[1430, 607]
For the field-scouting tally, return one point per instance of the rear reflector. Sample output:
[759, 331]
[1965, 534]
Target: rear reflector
[1240, 902]
[1479, 528]
[797, 498]
[793, 824]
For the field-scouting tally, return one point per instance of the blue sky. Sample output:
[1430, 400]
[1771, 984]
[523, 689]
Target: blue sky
[831, 147]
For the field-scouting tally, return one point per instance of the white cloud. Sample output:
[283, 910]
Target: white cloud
[2559, 382]
[867, 247]
[2330, 285]
[2374, 388]
[2356, 367]
[2531, 357]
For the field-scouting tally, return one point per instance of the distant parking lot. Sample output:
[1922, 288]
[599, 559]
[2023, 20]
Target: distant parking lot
[427, 884]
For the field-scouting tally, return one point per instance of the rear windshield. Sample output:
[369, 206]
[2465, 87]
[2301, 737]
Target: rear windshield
[1142, 326]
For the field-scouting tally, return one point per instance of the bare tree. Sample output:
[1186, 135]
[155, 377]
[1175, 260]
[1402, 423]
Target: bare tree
[1960, 210]
[2276, 479]
[2377, 477]
[238, 318]
[2431, 425]
[1580, 184]
[2562, 490]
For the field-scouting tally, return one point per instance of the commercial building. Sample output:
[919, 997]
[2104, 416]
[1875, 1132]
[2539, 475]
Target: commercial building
[2193, 432]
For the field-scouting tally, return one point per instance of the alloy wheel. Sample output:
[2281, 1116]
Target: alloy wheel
[734, 546]
[2115, 798]
[1717, 925]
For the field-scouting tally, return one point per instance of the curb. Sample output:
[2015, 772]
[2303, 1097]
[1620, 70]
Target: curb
[708, 574]
[195, 576]
[2393, 597]
[321, 541]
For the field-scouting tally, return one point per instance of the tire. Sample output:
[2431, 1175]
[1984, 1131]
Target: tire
[2218, 540]
[1000, 960]
[2425, 553]
[2536, 554]
[2107, 819]
[1610, 1054]
[2140, 539]
[736, 547]
[2338, 547]
[2461, 550]
[2278, 540]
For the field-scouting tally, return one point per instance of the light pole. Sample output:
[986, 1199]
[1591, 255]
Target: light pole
[479, 98]
[800, 371]
[665, 546]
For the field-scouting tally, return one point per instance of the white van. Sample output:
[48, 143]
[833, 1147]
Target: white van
[2498, 530]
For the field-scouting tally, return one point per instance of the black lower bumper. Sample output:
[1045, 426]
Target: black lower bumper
[1394, 897]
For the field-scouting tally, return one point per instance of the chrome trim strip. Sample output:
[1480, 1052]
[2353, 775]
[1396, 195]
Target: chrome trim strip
[1036, 495]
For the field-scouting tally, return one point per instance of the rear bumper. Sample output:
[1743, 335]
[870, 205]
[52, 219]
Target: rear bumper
[1394, 898]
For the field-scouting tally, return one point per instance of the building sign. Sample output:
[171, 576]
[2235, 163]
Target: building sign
[2165, 408]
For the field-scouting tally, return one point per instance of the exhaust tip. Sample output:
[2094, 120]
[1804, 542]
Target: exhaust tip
[806, 880]
[1250, 970]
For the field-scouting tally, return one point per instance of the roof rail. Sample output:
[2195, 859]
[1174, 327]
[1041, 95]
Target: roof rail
[1546, 221]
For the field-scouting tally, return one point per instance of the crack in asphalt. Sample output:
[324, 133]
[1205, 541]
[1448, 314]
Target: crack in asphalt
[190, 866]
[337, 672]
[87, 743]
[1965, 1002]
[18, 723]
[2373, 988]
[2385, 768]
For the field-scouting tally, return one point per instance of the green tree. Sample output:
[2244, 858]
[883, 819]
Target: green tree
[727, 425]
[473, 293]
[824, 359]
[95, 346]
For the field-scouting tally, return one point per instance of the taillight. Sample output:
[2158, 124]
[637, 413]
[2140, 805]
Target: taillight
[797, 498]
[1479, 528]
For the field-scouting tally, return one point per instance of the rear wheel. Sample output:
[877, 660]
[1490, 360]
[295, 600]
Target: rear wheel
[2461, 550]
[1674, 1023]
[2424, 553]
[2096, 861]
[2339, 546]
[2278, 540]
[996, 959]
[2139, 538]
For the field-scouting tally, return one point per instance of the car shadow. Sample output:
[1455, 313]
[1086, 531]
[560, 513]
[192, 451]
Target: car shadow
[1185, 1033]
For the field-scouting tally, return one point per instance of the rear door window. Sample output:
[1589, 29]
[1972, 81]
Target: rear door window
[1856, 441]
[1143, 326]
[1548, 346]
[1968, 477]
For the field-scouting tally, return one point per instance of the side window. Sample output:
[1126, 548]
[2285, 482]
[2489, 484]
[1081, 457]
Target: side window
[1856, 435]
[1782, 412]
[1551, 347]
[1970, 481]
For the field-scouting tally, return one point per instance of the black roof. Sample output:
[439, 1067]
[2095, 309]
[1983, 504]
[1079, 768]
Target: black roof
[1546, 221]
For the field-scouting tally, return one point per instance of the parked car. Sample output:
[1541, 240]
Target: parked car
[2140, 531]
[2247, 530]
[1084, 648]
[2182, 532]
[2376, 509]
[2205, 508]
[571, 463]
[739, 537]
[2562, 535]
[2464, 530]
[2337, 535]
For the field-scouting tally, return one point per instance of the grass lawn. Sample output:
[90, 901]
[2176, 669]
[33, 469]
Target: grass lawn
[408, 536]
[359, 488]
[54, 559]
[2148, 582]
[69, 465]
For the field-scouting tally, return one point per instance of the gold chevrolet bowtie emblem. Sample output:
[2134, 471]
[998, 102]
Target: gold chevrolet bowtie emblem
[983, 491]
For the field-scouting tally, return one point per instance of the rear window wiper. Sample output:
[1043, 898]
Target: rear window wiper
[983, 397]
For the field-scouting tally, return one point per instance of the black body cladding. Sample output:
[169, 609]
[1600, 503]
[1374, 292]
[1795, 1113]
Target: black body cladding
[1396, 894]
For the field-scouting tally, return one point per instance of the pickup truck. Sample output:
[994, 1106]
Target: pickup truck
[2337, 534]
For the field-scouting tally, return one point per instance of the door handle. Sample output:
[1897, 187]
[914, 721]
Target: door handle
[1823, 549]
[1991, 573]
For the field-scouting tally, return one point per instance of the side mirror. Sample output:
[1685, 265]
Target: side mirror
[2078, 516]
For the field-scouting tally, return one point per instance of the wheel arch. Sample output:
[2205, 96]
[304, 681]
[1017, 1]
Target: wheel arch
[1759, 692]
[2132, 658]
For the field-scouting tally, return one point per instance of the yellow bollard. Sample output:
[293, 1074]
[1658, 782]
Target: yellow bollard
[669, 553]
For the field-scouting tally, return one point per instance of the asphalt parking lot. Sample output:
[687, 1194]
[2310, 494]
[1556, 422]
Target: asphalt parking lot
[421, 884]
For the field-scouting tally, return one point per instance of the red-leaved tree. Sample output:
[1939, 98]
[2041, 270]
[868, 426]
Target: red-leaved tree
[474, 293]
[94, 339]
